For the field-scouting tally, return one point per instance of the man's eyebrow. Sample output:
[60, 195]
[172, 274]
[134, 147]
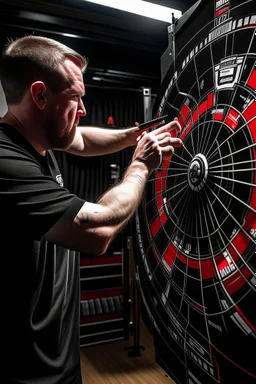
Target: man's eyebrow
[74, 91]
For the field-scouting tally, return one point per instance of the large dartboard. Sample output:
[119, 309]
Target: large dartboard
[196, 226]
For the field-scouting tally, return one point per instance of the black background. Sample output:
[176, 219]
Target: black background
[112, 40]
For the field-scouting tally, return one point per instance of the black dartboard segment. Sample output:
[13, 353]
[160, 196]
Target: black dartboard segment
[196, 226]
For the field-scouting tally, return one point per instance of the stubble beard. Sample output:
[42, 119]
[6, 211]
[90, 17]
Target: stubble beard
[60, 141]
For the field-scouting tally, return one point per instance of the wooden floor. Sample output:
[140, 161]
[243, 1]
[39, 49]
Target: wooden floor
[110, 364]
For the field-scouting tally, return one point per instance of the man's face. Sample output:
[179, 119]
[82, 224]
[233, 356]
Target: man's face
[65, 108]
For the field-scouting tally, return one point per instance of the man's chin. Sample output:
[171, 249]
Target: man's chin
[63, 143]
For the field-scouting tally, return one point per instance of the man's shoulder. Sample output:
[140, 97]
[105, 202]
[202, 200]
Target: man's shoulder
[9, 137]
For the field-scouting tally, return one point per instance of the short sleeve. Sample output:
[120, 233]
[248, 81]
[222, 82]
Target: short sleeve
[30, 199]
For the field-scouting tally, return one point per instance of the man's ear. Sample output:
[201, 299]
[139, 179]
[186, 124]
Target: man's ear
[38, 92]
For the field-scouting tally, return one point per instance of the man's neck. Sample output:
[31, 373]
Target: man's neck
[12, 119]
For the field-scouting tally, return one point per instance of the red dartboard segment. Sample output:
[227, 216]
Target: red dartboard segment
[163, 180]
[210, 100]
[252, 80]
[182, 258]
[159, 201]
[188, 126]
[166, 162]
[160, 186]
[163, 218]
[195, 264]
[221, 262]
[185, 111]
[207, 269]
[234, 254]
[241, 242]
[158, 183]
[221, 11]
[249, 115]
[196, 114]
[180, 120]
[232, 119]
[218, 116]
[170, 255]
[246, 272]
[155, 226]
[203, 107]
[186, 129]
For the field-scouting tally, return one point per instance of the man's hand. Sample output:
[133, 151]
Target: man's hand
[135, 134]
[155, 145]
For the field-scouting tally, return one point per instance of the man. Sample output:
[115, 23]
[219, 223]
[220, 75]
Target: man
[43, 224]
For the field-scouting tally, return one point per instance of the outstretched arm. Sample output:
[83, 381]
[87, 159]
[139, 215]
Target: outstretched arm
[96, 225]
[95, 141]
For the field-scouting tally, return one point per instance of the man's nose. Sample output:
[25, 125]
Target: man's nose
[81, 108]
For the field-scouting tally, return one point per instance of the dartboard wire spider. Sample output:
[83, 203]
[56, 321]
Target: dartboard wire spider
[232, 137]
[232, 164]
[160, 193]
[232, 153]
[229, 213]
[225, 245]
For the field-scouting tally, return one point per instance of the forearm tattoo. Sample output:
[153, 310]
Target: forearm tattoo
[84, 219]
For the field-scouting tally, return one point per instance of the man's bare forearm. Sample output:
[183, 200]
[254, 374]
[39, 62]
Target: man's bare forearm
[123, 199]
[95, 141]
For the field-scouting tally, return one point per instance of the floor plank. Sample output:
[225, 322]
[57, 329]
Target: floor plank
[110, 364]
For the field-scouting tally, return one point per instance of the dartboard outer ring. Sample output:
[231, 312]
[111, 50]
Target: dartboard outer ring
[195, 229]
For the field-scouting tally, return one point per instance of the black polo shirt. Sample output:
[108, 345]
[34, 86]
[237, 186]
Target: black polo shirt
[40, 281]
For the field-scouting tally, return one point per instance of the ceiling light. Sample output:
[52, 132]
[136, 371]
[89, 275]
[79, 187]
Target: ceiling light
[143, 8]
[70, 35]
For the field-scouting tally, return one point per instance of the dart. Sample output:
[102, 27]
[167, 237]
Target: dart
[152, 123]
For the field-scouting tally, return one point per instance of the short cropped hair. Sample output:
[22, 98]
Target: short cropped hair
[32, 58]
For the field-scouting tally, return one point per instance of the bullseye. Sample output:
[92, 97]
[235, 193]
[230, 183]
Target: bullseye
[198, 172]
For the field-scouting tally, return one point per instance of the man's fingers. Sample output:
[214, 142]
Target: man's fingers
[167, 136]
[172, 126]
[141, 136]
[167, 151]
[175, 142]
[162, 135]
[175, 125]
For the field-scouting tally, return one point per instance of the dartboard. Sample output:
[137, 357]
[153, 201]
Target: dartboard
[196, 225]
